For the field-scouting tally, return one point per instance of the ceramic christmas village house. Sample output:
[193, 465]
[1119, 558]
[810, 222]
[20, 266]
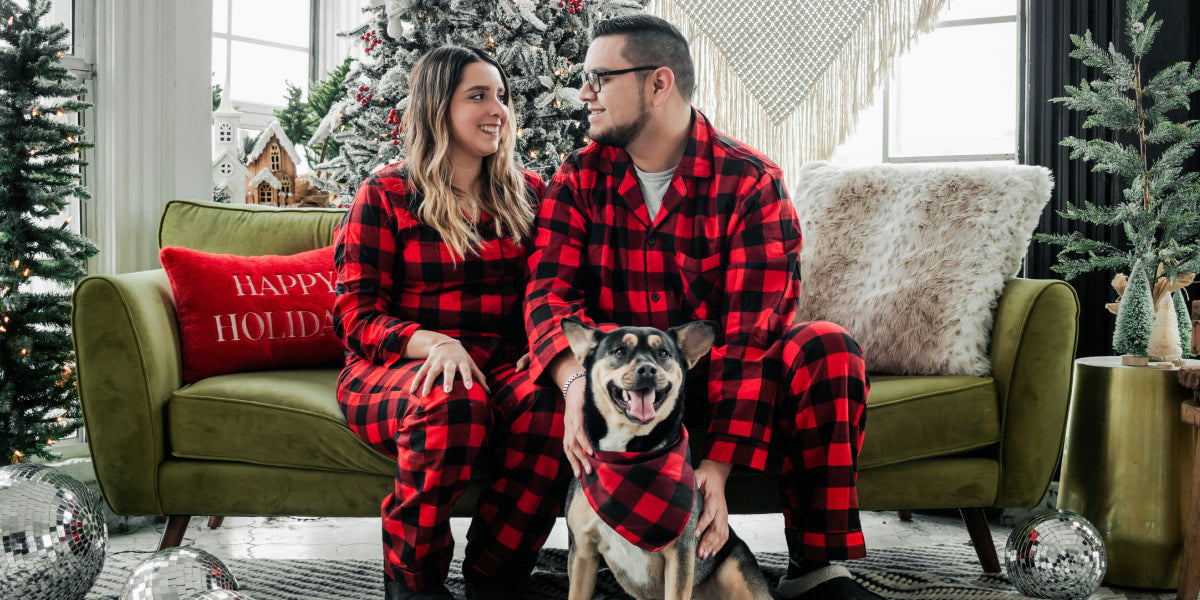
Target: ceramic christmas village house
[267, 175]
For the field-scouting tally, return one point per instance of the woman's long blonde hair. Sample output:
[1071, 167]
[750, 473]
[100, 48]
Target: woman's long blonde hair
[426, 122]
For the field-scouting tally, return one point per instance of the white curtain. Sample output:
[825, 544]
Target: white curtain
[330, 18]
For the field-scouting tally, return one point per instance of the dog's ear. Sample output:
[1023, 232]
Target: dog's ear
[694, 339]
[581, 337]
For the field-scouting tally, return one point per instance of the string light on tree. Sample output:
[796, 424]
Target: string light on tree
[39, 177]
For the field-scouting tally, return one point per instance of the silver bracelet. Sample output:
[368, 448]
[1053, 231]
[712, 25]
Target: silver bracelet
[571, 380]
[444, 342]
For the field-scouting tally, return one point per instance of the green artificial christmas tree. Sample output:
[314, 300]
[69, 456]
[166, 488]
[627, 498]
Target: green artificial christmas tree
[540, 43]
[40, 257]
[300, 116]
[1160, 213]
[294, 118]
[1135, 317]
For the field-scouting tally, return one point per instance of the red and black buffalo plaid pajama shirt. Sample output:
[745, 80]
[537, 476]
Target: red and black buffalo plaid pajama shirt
[396, 276]
[725, 246]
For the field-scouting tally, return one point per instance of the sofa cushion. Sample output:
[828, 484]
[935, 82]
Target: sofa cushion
[290, 418]
[911, 417]
[286, 418]
[246, 229]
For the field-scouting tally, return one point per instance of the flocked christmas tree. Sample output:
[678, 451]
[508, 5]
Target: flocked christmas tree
[1135, 316]
[540, 43]
[1185, 323]
[1160, 214]
[40, 257]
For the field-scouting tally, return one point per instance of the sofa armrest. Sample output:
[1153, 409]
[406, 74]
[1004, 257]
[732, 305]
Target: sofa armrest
[1034, 339]
[128, 364]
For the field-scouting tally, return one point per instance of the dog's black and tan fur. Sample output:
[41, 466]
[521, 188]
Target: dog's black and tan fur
[622, 366]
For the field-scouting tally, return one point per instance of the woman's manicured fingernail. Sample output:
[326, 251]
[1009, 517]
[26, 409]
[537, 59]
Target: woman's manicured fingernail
[468, 384]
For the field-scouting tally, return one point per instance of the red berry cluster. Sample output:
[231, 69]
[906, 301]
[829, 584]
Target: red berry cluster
[572, 6]
[394, 121]
[362, 96]
[371, 40]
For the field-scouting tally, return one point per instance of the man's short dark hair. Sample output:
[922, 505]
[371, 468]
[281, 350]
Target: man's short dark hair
[650, 40]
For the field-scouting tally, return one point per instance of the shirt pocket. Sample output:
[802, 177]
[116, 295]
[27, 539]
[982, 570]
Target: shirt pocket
[702, 284]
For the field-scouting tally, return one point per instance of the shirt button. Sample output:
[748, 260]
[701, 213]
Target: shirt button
[494, 341]
[654, 297]
[651, 240]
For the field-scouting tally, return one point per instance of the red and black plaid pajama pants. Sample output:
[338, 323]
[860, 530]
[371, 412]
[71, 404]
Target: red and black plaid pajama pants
[816, 375]
[436, 440]
[820, 416]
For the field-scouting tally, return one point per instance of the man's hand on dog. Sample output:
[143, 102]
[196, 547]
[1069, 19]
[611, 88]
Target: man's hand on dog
[446, 360]
[713, 528]
[575, 443]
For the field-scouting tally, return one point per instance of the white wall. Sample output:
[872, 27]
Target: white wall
[153, 105]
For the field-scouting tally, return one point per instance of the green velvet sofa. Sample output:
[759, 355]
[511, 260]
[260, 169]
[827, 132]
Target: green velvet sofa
[275, 442]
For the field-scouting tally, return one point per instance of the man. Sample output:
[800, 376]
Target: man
[664, 220]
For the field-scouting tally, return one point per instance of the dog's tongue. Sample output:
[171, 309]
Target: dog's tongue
[641, 404]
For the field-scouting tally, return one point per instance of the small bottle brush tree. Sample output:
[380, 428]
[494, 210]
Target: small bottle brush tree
[540, 43]
[1160, 214]
[40, 257]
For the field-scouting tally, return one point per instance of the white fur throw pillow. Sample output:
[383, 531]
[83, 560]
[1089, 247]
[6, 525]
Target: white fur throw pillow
[911, 260]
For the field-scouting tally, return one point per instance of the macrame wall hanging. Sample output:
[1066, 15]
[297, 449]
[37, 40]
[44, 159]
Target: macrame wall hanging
[789, 77]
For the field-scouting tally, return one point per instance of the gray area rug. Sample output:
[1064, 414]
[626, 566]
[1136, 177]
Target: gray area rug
[926, 573]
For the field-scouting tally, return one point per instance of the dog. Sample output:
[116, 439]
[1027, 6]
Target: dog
[633, 416]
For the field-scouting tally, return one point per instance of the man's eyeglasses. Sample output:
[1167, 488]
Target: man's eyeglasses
[592, 78]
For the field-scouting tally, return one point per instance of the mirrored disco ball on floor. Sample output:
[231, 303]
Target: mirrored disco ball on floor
[177, 573]
[219, 595]
[1055, 554]
[52, 534]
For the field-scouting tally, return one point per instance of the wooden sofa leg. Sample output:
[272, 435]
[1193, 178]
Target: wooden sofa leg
[981, 538]
[215, 521]
[905, 515]
[173, 534]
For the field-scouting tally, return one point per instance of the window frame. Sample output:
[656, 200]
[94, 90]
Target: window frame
[258, 115]
[1018, 20]
[80, 62]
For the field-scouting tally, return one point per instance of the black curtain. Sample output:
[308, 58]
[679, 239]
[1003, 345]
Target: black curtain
[1045, 31]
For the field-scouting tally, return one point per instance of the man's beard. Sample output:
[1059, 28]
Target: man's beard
[621, 135]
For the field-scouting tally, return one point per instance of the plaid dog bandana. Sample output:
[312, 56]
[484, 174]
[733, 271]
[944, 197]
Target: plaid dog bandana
[646, 497]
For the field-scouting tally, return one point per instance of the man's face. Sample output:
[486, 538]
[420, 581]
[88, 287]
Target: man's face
[618, 114]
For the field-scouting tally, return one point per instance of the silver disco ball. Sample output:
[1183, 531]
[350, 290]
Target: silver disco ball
[1055, 554]
[178, 573]
[219, 595]
[52, 532]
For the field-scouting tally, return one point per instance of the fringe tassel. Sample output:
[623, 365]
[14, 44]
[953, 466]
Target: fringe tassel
[829, 112]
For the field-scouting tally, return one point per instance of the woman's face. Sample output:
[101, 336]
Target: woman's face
[478, 111]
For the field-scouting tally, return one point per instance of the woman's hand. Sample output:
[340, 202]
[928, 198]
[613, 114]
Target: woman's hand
[446, 358]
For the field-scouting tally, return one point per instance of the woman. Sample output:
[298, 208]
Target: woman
[430, 262]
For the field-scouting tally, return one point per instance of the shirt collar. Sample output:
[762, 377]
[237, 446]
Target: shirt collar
[697, 158]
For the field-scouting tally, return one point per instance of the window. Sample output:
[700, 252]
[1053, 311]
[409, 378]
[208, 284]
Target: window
[225, 135]
[260, 45]
[285, 189]
[952, 98]
[276, 163]
[265, 195]
[226, 169]
[78, 16]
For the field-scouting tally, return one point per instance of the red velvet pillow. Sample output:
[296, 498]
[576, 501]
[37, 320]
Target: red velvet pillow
[250, 313]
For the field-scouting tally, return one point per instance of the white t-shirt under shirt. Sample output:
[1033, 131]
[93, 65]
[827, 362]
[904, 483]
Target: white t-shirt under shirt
[654, 187]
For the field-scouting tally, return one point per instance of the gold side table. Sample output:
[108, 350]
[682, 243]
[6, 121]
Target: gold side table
[1127, 467]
